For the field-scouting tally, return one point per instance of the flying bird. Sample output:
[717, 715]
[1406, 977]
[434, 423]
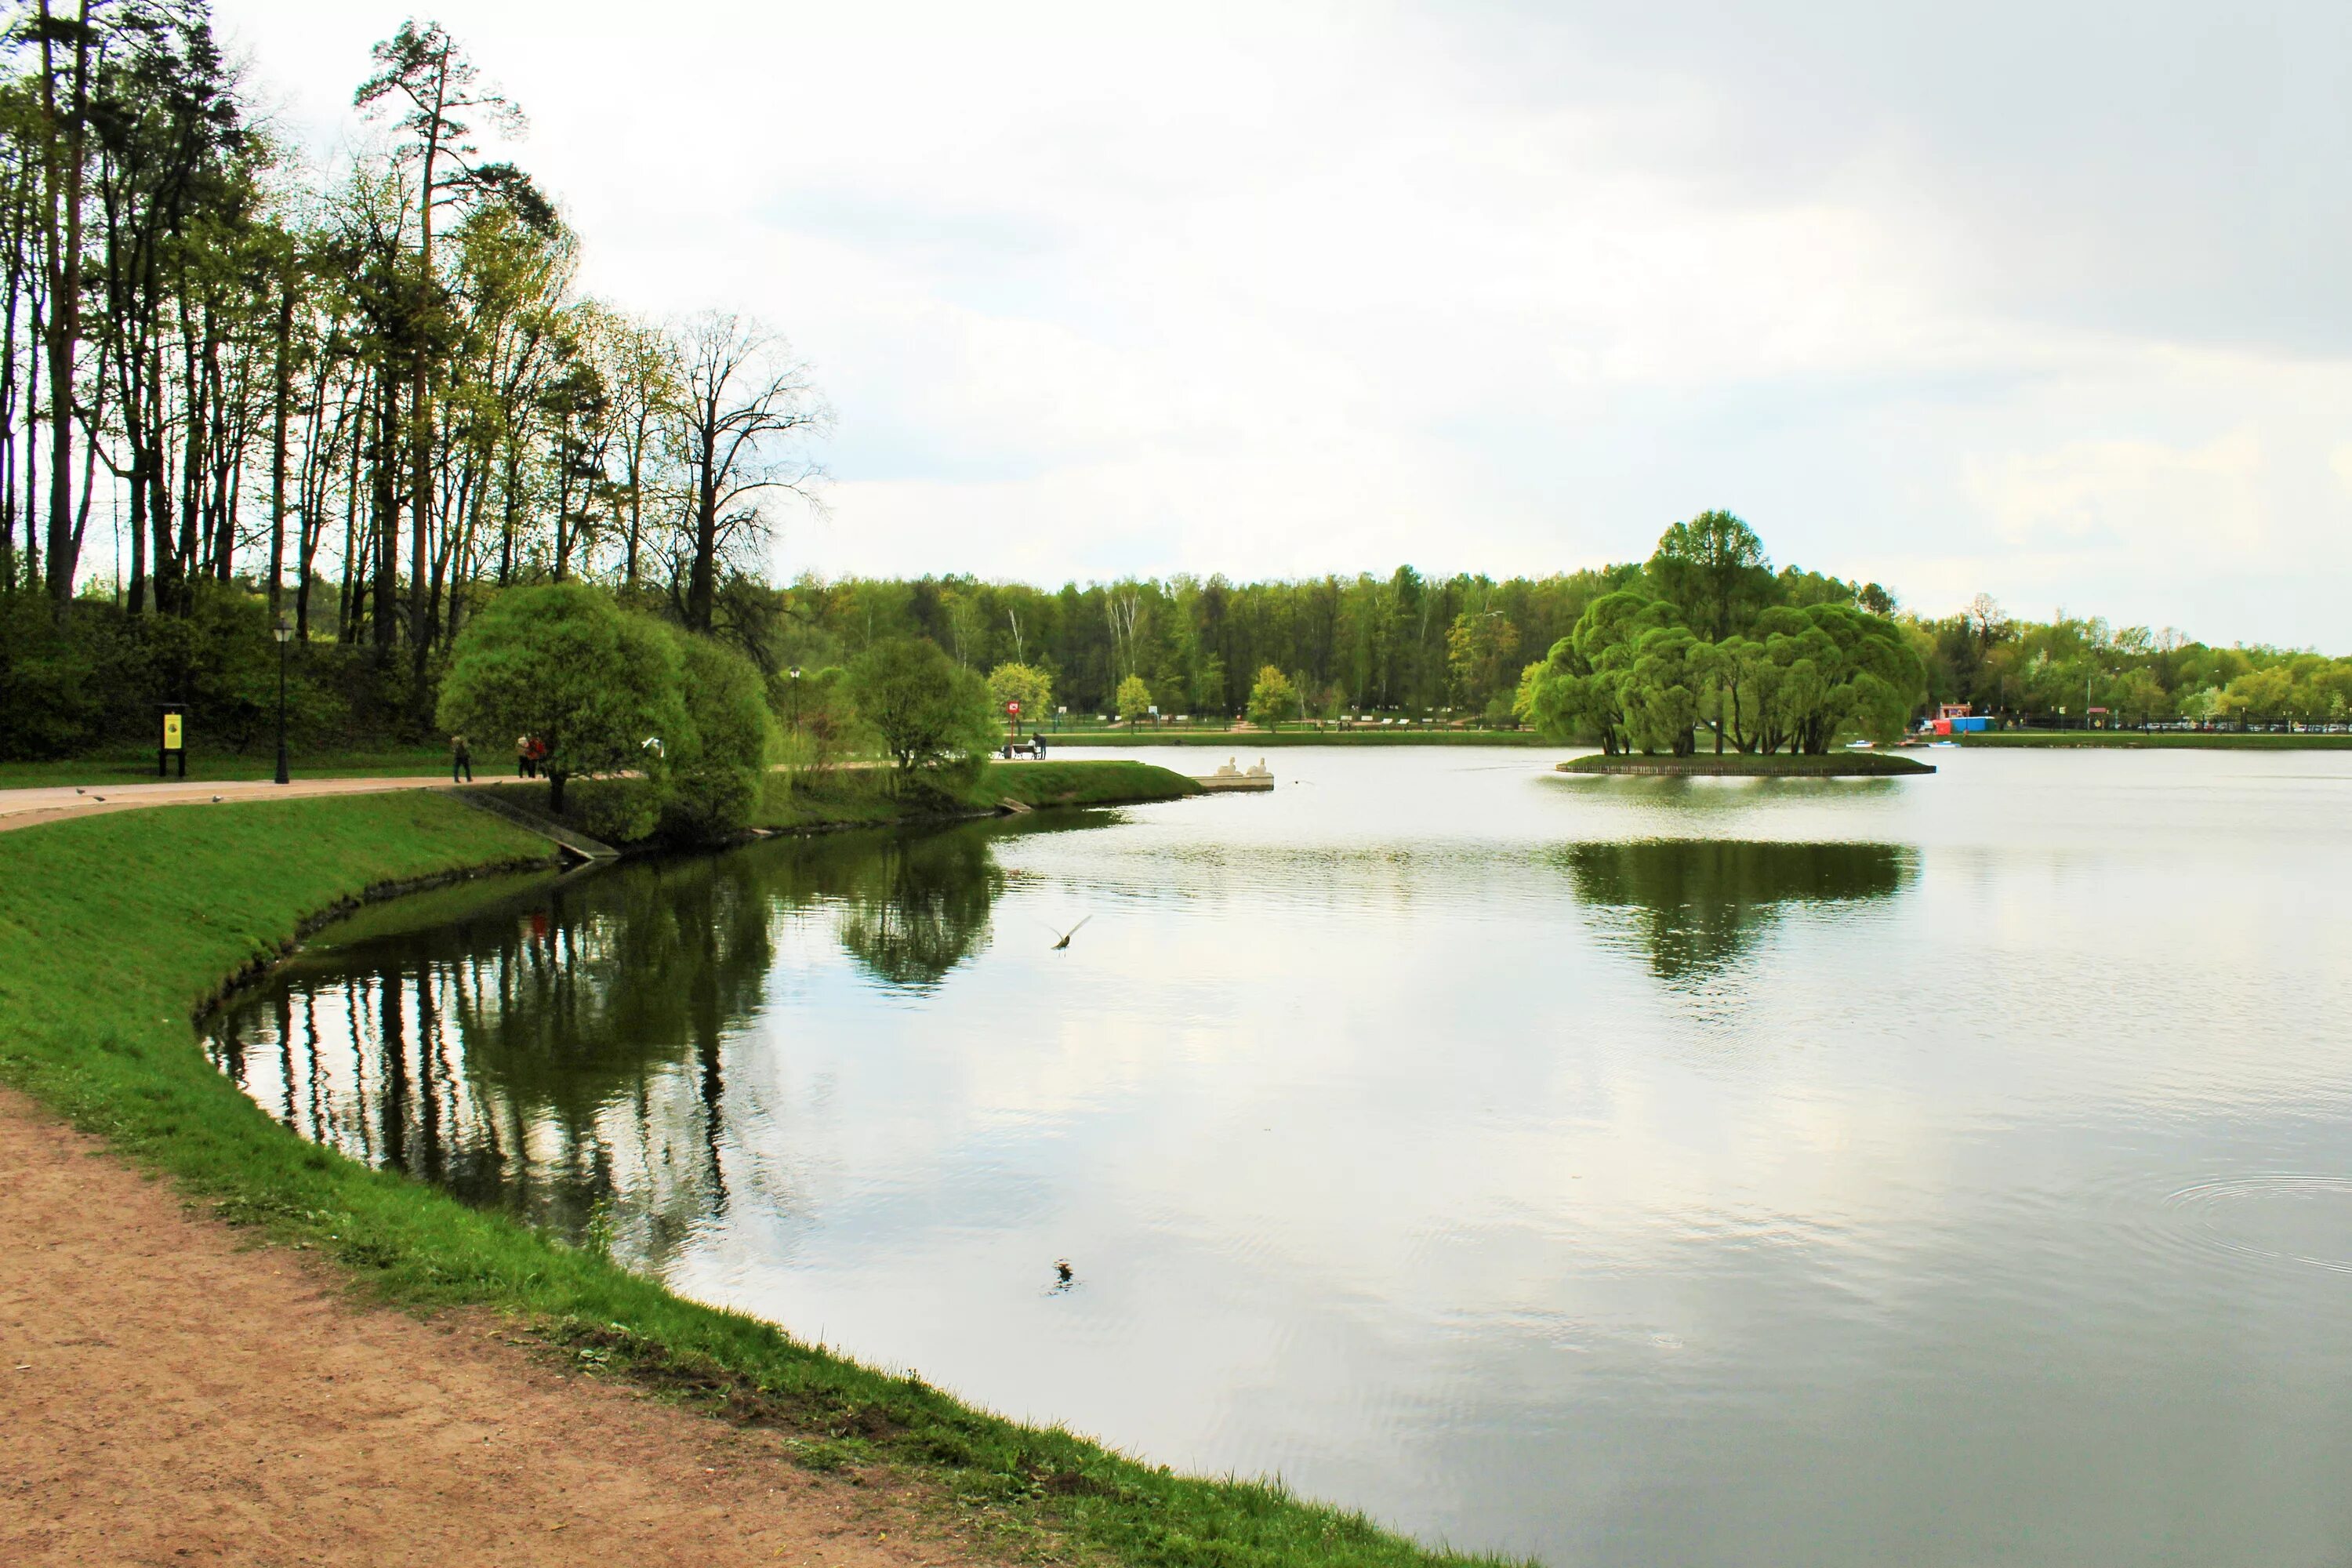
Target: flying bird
[1069, 934]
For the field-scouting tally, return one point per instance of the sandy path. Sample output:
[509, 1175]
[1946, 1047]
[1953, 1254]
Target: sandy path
[169, 1396]
[53, 803]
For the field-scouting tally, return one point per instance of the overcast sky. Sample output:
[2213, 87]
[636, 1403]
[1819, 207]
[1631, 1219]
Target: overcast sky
[2049, 301]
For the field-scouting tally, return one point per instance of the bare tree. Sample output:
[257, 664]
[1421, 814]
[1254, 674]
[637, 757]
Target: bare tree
[744, 404]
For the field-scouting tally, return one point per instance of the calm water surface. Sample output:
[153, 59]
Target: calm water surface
[1934, 1171]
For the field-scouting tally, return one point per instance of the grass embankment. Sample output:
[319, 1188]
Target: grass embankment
[1244, 739]
[113, 930]
[261, 763]
[863, 797]
[1736, 764]
[2154, 740]
[878, 796]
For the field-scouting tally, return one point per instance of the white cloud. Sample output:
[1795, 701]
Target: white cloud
[1301, 290]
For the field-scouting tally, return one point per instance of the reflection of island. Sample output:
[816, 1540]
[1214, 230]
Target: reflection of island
[1696, 904]
[558, 1050]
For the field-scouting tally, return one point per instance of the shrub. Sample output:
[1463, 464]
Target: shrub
[924, 708]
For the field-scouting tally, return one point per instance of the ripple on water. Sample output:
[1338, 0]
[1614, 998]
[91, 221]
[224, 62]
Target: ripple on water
[2277, 1218]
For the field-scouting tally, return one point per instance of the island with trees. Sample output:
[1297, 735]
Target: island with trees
[1707, 644]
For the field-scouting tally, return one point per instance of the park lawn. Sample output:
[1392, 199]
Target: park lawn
[2157, 740]
[136, 768]
[114, 930]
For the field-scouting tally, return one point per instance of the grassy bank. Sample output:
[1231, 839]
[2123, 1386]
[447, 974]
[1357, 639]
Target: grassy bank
[1263, 740]
[877, 795]
[114, 929]
[2160, 740]
[261, 763]
[863, 797]
[1735, 765]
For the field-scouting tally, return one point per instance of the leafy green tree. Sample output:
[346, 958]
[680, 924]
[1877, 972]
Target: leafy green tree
[821, 720]
[1134, 699]
[713, 774]
[924, 708]
[1478, 649]
[564, 664]
[1580, 690]
[1662, 690]
[1828, 669]
[1273, 698]
[1714, 567]
[1025, 684]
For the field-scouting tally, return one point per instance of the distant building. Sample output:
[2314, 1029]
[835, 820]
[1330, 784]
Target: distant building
[1955, 718]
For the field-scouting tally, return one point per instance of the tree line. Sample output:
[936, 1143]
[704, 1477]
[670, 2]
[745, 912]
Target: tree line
[367, 393]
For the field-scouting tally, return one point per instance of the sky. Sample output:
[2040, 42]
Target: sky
[2048, 301]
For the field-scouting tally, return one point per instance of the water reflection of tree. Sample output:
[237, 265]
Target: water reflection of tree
[1697, 904]
[912, 907]
[558, 1052]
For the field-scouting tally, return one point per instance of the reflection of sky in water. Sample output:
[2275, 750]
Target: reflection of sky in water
[1943, 1171]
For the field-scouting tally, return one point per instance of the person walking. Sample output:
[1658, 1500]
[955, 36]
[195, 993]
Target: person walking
[461, 760]
[523, 756]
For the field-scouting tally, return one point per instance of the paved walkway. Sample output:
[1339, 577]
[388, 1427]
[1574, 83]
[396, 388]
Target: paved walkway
[53, 803]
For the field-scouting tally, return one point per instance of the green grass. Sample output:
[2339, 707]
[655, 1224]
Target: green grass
[1247, 740]
[136, 768]
[114, 930]
[1096, 783]
[1736, 764]
[874, 796]
[2160, 740]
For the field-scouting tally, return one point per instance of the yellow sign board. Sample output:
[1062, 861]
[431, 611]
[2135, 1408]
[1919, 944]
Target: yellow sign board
[172, 732]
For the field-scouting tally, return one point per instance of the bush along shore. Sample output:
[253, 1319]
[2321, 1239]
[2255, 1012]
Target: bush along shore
[1751, 765]
[219, 890]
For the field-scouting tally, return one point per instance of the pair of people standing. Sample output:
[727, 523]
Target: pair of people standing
[530, 753]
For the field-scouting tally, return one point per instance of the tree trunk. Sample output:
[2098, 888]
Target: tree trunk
[420, 413]
[387, 517]
[277, 450]
[63, 190]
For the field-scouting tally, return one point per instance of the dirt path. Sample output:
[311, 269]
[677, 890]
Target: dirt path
[169, 1396]
[55, 803]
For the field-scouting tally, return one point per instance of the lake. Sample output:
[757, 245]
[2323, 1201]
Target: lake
[1943, 1171]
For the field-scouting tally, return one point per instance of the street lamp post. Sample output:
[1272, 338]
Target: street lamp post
[796, 700]
[284, 633]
